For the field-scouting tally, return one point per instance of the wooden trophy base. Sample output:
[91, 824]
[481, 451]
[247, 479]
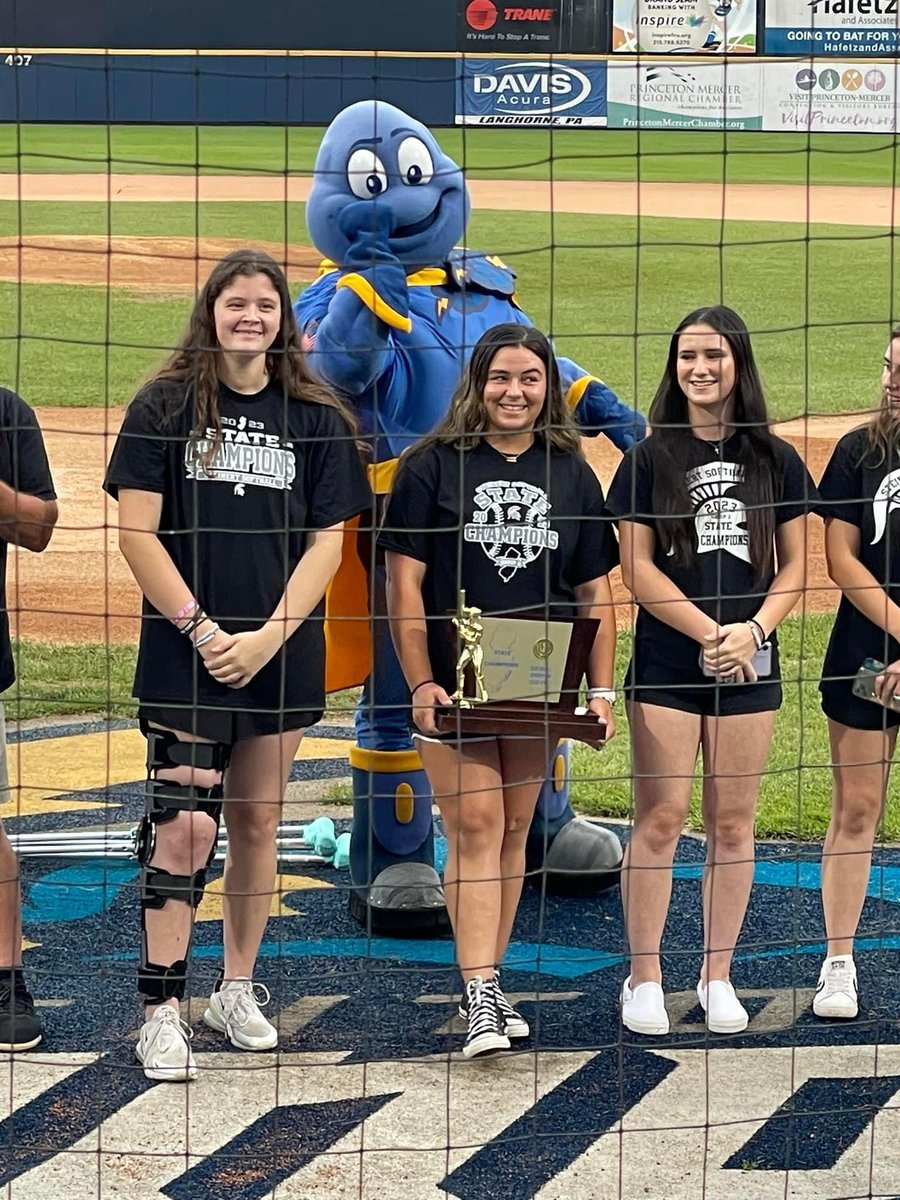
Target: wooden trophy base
[521, 719]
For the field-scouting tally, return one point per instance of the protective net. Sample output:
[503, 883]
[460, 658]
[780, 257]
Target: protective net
[612, 194]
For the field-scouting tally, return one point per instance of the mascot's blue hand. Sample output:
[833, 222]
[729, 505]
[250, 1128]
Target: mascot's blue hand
[369, 257]
[601, 411]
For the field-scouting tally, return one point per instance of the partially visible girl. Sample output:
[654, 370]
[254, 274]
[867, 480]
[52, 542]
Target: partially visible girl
[860, 500]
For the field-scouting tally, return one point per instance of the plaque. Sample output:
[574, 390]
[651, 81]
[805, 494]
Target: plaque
[520, 674]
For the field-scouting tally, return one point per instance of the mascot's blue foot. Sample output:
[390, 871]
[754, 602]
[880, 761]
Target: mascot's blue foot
[395, 888]
[570, 855]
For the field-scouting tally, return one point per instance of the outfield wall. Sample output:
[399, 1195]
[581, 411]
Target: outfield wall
[839, 95]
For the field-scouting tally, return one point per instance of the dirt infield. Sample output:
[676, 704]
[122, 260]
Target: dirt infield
[792, 203]
[149, 264]
[80, 590]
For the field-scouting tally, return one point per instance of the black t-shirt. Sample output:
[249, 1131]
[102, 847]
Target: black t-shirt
[863, 489]
[24, 467]
[720, 578]
[236, 529]
[518, 536]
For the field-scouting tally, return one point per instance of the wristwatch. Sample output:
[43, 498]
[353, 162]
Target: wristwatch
[600, 693]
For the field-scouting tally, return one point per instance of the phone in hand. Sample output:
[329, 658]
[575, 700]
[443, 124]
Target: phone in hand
[761, 660]
[864, 683]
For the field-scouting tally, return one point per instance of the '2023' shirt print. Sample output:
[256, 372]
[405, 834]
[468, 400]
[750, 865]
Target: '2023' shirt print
[511, 523]
[721, 520]
[245, 455]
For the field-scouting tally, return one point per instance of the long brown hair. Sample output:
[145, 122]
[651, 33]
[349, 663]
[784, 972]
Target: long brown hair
[679, 449]
[195, 360]
[883, 429]
[467, 417]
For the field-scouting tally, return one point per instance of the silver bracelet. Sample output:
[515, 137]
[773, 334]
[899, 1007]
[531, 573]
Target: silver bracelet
[601, 693]
[207, 637]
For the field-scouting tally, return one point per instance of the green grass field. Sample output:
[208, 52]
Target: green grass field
[608, 288]
[697, 156]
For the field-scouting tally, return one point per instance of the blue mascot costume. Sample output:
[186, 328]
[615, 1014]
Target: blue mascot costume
[390, 323]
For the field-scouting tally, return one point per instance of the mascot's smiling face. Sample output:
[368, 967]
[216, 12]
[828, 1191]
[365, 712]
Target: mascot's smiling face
[376, 153]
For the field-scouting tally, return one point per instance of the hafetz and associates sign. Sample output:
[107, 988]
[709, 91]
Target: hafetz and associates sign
[832, 27]
[531, 92]
[830, 96]
[685, 95]
[684, 26]
[491, 25]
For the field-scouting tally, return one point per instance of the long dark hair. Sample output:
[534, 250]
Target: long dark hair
[676, 449]
[195, 360]
[467, 416]
[883, 429]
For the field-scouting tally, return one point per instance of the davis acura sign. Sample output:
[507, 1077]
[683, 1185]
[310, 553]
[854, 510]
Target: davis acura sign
[497, 92]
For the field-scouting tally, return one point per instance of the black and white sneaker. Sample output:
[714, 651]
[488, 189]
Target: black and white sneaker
[512, 1022]
[836, 994]
[485, 1030]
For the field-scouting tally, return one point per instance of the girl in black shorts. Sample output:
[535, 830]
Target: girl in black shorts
[860, 491]
[498, 501]
[234, 472]
[711, 512]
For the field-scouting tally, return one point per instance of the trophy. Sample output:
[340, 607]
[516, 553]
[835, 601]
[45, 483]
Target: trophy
[519, 674]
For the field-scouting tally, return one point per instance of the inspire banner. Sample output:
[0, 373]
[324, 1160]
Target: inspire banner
[684, 26]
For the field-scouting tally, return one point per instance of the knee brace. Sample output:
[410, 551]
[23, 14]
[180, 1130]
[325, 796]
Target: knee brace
[165, 800]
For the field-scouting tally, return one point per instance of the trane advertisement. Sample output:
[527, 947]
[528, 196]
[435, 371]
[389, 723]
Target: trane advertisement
[504, 92]
[833, 96]
[684, 26]
[701, 95]
[832, 27]
[485, 26]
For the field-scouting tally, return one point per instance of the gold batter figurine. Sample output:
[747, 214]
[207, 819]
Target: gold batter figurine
[471, 653]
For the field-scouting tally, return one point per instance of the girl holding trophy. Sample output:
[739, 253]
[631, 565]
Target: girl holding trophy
[496, 512]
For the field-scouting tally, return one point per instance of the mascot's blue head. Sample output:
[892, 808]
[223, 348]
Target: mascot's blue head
[375, 154]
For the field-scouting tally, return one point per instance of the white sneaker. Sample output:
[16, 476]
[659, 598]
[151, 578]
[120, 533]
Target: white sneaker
[164, 1047]
[724, 1012]
[836, 995]
[644, 1008]
[235, 1011]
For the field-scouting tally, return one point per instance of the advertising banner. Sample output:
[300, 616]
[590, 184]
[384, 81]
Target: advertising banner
[692, 95]
[832, 27]
[833, 96]
[684, 26]
[559, 93]
[492, 26]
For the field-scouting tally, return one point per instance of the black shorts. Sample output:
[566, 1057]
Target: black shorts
[706, 699]
[839, 704]
[225, 725]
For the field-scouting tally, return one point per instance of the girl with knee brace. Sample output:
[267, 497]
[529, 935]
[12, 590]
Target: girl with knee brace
[712, 527]
[234, 471]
